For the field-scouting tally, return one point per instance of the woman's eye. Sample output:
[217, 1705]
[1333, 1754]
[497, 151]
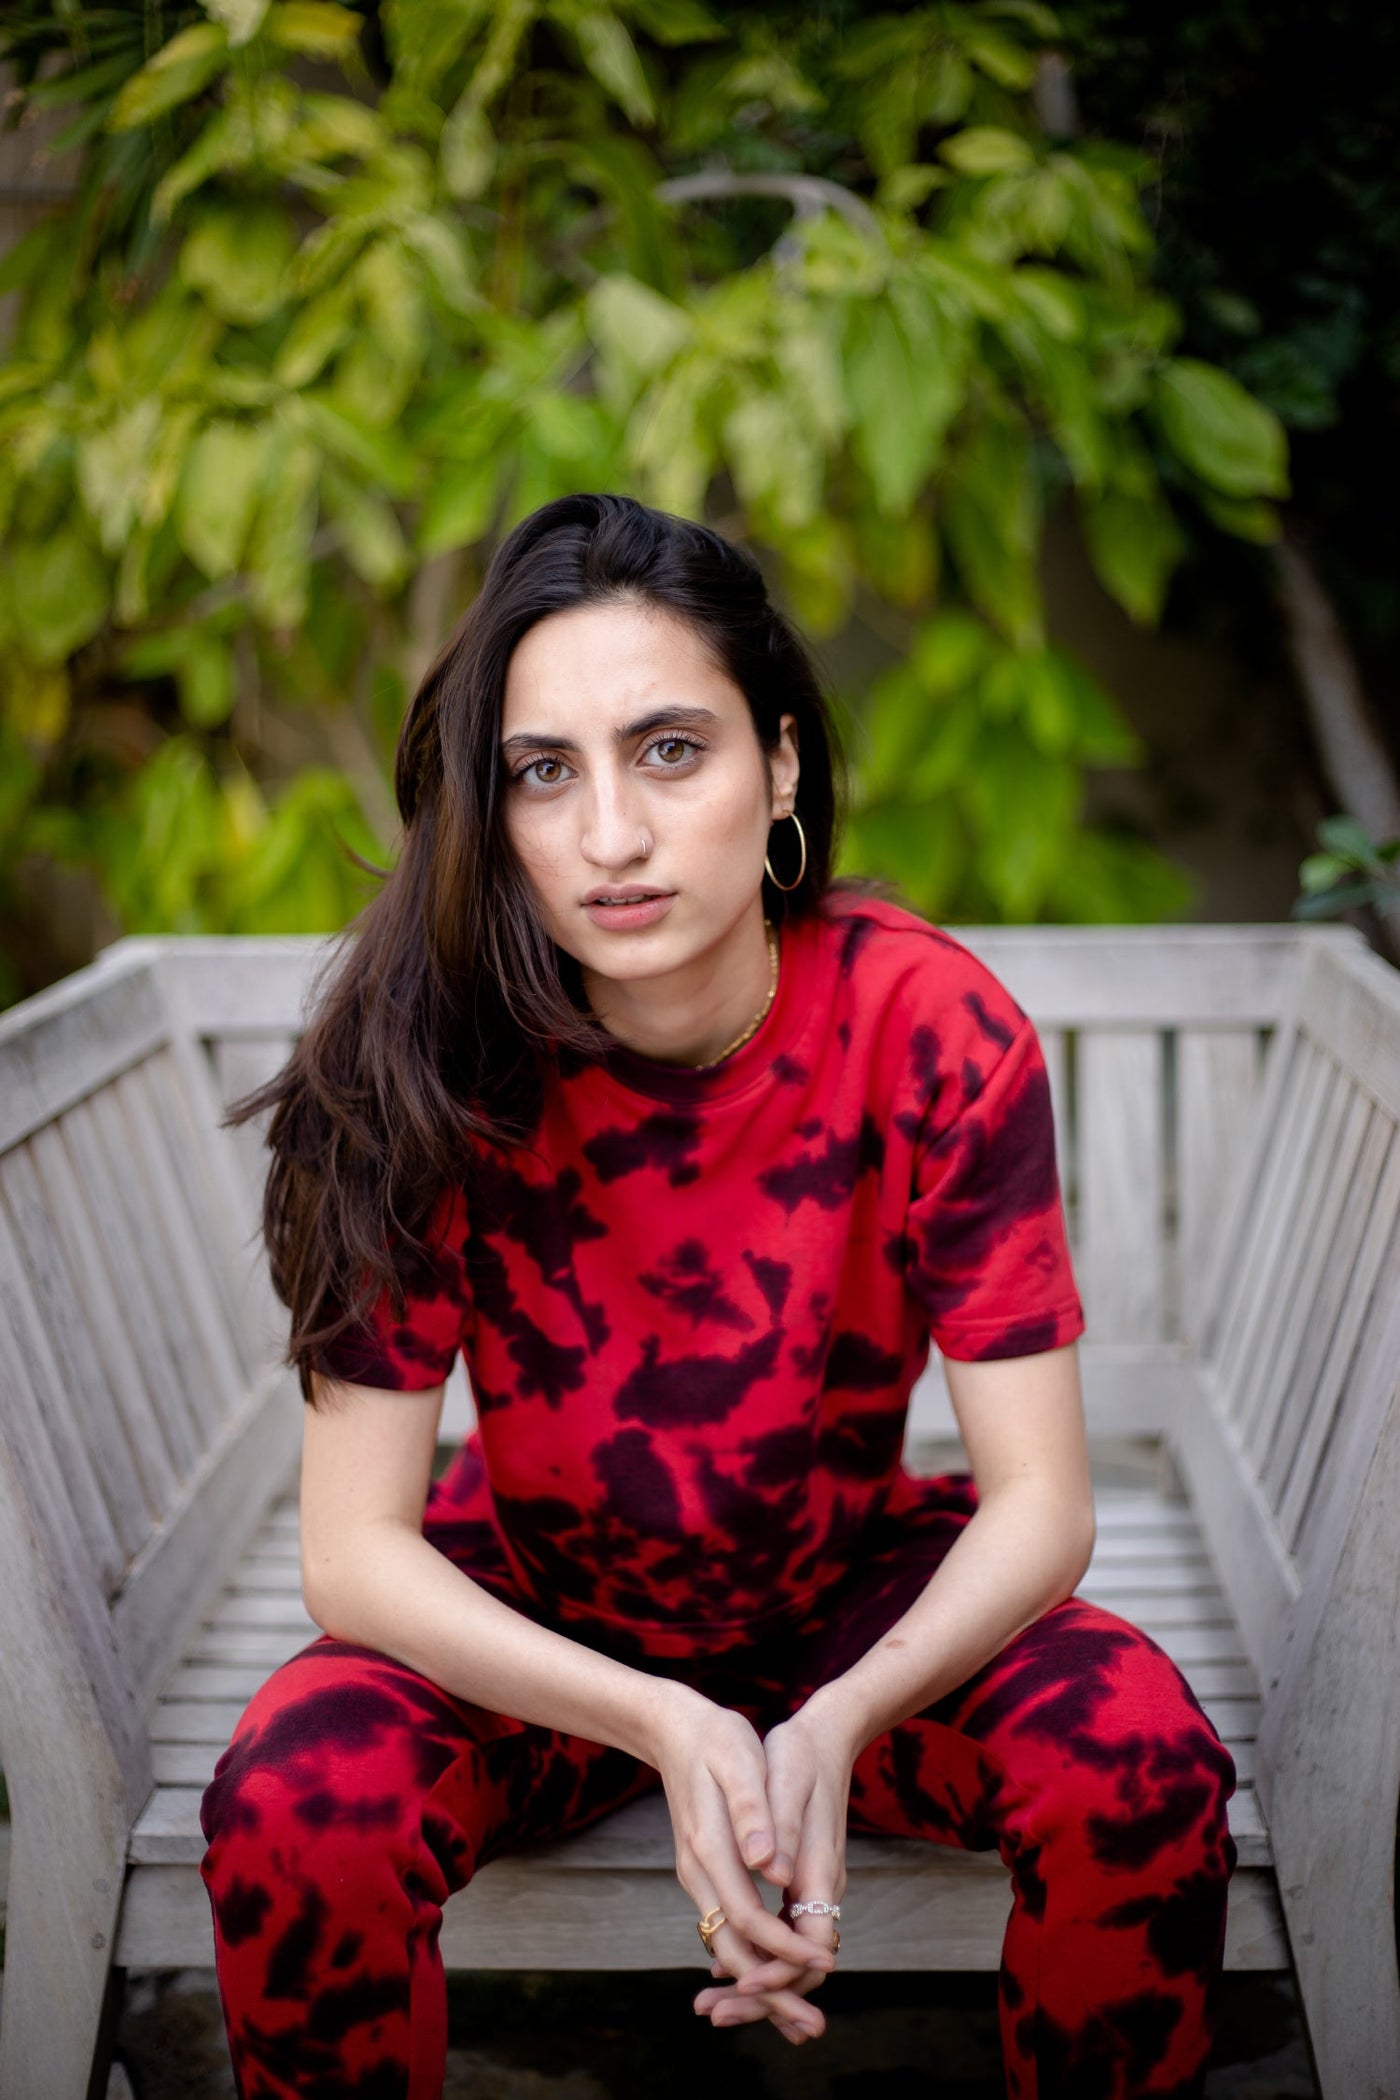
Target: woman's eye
[533, 766]
[680, 746]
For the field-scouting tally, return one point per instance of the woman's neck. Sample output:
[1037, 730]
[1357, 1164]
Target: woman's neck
[690, 1016]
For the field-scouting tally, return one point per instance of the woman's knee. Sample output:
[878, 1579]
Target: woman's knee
[1114, 1753]
[333, 1746]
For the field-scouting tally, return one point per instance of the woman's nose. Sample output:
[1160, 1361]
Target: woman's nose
[612, 833]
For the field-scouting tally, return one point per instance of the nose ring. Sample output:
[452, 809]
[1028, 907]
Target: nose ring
[646, 844]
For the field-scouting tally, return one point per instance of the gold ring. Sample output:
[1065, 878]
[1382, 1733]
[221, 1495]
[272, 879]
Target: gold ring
[708, 1926]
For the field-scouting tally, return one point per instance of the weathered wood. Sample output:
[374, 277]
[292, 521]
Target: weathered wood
[1378, 1213]
[1217, 1077]
[950, 1913]
[134, 1261]
[1330, 1770]
[76, 1768]
[138, 1297]
[118, 1375]
[41, 1367]
[1314, 1201]
[1063, 976]
[69, 1041]
[1311, 1317]
[1120, 1185]
[172, 1582]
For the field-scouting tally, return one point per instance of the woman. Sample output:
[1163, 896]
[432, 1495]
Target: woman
[689, 1149]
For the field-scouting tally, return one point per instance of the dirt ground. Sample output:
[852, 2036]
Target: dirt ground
[634, 2037]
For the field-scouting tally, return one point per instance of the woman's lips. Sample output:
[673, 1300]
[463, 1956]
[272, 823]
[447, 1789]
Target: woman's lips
[622, 917]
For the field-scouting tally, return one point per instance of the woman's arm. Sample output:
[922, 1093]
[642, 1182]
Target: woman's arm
[1025, 1549]
[370, 1576]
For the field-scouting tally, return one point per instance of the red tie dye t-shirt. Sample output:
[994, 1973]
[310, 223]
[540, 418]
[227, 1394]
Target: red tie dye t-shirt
[692, 1309]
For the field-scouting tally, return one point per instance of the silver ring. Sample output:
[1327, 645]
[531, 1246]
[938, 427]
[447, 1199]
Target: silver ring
[815, 1910]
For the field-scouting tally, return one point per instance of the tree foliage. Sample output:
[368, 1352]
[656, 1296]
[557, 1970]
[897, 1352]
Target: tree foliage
[345, 294]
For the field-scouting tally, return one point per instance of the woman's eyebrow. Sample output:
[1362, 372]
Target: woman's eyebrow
[661, 717]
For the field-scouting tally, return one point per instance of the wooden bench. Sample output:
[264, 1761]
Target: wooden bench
[1226, 1100]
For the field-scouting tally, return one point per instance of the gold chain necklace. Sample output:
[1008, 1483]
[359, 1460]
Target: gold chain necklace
[757, 1022]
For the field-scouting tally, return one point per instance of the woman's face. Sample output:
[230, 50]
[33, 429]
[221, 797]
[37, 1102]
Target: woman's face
[617, 729]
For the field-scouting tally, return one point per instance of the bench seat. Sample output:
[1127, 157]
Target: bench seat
[1227, 1113]
[1150, 1564]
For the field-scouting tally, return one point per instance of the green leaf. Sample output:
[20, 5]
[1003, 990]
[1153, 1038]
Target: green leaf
[370, 534]
[316, 27]
[984, 149]
[319, 329]
[678, 21]
[1023, 805]
[634, 326]
[237, 259]
[950, 652]
[905, 376]
[241, 18]
[1005, 62]
[468, 151]
[176, 74]
[611, 57]
[1134, 544]
[382, 455]
[279, 545]
[1320, 871]
[205, 681]
[218, 493]
[991, 517]
[1346, 836]
[112, 466]
[37, 699]
[1105, 878]
[1257, 522]
[459, 505]
[60, 594]
[1230, 440]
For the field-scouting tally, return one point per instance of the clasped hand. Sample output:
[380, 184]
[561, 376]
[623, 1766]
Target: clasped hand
[776, 1805]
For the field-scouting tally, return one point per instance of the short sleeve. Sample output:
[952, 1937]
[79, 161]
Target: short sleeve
[986, 1245]
[411, 1352]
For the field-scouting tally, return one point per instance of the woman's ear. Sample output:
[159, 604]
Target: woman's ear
[784, 764]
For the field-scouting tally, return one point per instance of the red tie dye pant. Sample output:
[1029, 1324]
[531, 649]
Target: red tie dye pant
[356, 1796]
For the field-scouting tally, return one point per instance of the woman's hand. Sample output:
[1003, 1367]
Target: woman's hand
[808, 1760]
[715, 1773]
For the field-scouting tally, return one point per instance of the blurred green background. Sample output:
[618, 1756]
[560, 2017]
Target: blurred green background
[1045, 393]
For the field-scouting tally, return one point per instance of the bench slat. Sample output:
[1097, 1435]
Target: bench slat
[69, 1041]
[189, 1107]
[1217, 1078]
[52, 1426]
[118, 1376]
[1365, 1289]
[156, 1212]
[1120, 1185]
[194, 1247]
[948, 1912]
[80, 1420]
[1320, 1192]
[136, 1293]
[1339, 1242]
[1300, 1117]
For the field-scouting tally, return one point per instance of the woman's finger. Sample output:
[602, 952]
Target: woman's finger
[731, 2010]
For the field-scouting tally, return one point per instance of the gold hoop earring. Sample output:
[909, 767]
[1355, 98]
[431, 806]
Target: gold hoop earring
[796, 882]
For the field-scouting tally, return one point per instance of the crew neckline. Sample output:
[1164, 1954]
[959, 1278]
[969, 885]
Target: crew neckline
[779, 1032]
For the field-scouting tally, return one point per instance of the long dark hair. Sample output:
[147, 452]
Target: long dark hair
[437, 1015]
